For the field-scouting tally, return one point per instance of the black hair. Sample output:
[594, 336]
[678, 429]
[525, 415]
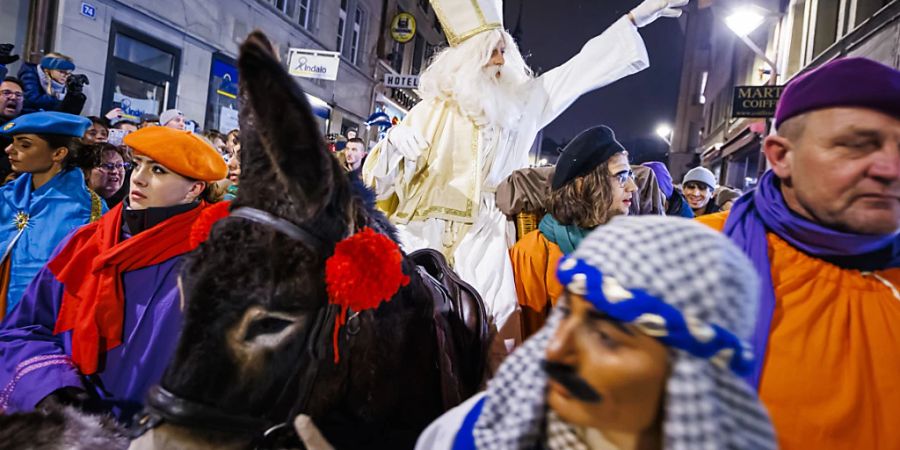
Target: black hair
[102, 121]
[79, 156]
[124, 121]
[355, 140]
[14, 80]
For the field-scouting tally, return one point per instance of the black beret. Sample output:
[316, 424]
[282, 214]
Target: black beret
[588, 150]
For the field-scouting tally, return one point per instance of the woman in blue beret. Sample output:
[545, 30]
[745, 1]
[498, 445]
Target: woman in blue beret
[51, 86]
[47, 201]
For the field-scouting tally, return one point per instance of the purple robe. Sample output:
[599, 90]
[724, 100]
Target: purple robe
[34, 362]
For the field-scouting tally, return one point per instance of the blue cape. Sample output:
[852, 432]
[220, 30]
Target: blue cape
[48, 214]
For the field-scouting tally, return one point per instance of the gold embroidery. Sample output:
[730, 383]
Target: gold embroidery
[455, 39]
[21, 220]
[96, 206]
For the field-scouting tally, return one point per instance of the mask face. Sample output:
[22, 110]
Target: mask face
[604, 374]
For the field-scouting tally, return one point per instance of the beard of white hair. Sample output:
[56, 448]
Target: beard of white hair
[463, 75]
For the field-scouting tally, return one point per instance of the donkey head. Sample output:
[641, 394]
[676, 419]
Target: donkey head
[255, 298]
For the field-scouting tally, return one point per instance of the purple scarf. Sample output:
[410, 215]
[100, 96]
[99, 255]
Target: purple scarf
[764, 210]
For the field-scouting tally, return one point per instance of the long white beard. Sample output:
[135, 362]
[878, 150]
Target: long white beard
[489, 99]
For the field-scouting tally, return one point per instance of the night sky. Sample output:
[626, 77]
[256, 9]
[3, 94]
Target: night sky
[552, 31]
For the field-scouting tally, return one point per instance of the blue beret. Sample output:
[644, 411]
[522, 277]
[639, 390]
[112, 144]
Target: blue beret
[49, 62]
[47, 122]
[588, 150]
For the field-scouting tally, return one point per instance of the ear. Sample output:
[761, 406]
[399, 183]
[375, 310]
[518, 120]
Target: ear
[196, 190]
[59, 155]
[780, 154]
[283, 122]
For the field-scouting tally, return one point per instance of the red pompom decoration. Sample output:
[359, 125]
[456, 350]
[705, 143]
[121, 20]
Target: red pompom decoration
[365, 270]
[205, 221]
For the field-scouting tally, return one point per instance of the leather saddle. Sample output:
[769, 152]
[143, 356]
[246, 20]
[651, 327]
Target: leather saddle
[461, 325]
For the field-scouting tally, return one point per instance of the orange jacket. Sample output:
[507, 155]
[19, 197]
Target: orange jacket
[534, 260]
[831, 375]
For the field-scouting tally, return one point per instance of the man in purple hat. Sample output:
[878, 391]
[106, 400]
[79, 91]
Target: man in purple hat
[822, 230]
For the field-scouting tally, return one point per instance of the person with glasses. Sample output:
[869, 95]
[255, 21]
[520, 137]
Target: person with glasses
[592, 184]
[47, 201]
[107, 178]
[11, 100]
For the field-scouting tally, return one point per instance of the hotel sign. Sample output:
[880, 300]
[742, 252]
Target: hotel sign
[401, 81]
[755, 101]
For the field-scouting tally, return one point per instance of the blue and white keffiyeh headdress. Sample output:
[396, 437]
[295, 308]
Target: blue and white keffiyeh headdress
[675, 280]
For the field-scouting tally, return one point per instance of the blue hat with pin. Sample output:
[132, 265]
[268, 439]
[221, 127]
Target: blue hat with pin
[47, 122]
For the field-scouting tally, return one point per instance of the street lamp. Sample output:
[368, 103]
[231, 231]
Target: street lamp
[664, 131]
[744, 21]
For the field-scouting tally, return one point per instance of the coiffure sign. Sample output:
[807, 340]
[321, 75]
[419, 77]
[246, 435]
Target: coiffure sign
[755, 101]
[313, 63]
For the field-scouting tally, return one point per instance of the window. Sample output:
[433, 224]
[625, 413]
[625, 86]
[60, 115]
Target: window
[796, 36]
[704, 78]
[866, 9]
[826, 26]
[354, 38]
[221, 103]
[418, 54]
[142, 73]
[397, 56]
[304, 8]
[342, 23]
[281, 5]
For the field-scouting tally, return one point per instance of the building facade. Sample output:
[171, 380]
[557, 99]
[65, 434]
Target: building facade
[150, 56]
[404, 53]
[796, 35]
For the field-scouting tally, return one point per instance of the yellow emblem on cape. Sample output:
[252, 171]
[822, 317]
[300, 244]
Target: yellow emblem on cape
[8, 126]
[21, 220]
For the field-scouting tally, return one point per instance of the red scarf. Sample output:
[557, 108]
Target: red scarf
[90, 267]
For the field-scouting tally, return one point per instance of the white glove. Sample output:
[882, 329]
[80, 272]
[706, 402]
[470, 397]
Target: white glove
[650, 10]
[408, 141]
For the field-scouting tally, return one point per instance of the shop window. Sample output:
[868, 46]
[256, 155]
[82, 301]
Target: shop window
[221, 103]
[142, 73]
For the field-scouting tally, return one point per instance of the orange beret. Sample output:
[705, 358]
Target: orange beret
[180, 151]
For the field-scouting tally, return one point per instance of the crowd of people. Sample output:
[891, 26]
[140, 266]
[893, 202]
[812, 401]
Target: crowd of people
[749, 320]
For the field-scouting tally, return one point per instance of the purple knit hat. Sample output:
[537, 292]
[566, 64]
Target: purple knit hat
[857, 82]
[663, 177]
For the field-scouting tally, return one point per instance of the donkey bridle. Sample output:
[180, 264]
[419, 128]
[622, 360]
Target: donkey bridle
[165, 406]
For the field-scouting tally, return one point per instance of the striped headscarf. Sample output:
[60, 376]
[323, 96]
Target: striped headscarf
[705, 316]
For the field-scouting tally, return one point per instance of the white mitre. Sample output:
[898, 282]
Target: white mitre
[462, 19]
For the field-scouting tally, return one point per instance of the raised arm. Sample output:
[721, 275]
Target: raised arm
[616, 53]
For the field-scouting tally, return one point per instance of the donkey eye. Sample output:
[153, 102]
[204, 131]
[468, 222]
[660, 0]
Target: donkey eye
[266, 325]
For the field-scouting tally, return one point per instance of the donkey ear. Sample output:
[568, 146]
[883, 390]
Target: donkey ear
[284, 125]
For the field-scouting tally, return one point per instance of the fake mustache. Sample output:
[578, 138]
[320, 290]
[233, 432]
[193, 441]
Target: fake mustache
[565, 375]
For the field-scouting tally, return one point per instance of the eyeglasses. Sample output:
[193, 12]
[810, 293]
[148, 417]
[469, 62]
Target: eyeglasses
[109, 167]
[14, 94]
[623, 177]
